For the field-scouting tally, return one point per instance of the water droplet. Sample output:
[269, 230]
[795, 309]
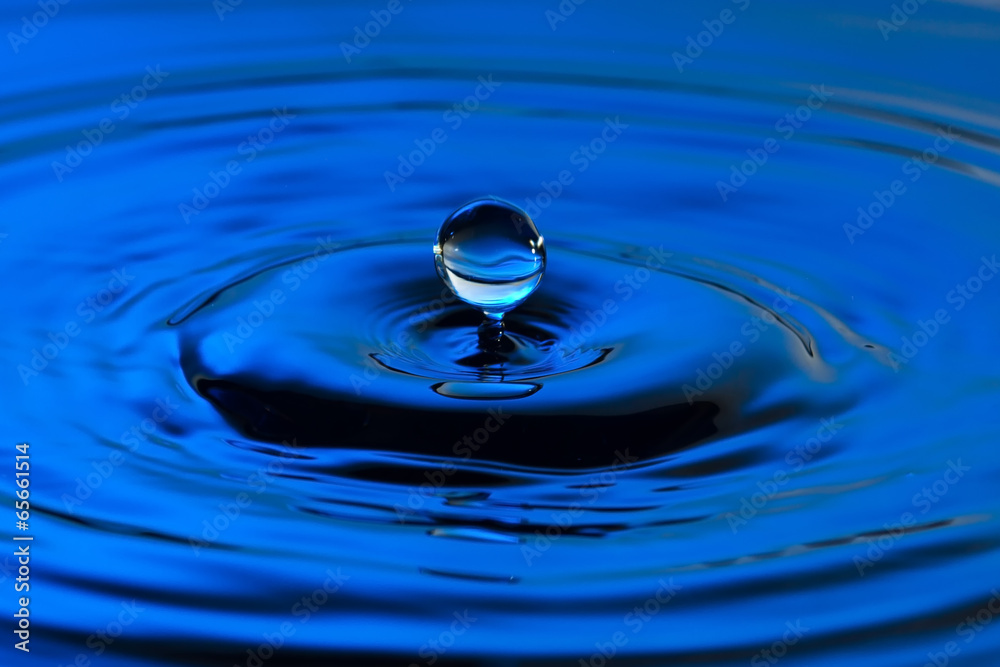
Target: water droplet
[490, 254]
[486, 391]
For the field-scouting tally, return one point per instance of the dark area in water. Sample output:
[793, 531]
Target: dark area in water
[561, 442]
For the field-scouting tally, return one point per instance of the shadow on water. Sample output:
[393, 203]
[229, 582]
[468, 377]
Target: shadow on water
[560, 442]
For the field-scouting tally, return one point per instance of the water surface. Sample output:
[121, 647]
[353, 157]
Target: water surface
[751, 407]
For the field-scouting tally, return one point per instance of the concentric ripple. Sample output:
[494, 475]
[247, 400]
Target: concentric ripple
[721, 391]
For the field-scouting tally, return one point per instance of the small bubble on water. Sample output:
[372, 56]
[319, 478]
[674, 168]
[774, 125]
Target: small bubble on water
[490, 254]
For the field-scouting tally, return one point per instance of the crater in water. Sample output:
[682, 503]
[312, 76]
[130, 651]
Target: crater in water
[374, 356]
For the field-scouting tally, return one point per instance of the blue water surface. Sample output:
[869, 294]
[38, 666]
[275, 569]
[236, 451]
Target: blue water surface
[749, 416]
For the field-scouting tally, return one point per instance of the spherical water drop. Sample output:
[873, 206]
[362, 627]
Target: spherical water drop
[490, 254]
